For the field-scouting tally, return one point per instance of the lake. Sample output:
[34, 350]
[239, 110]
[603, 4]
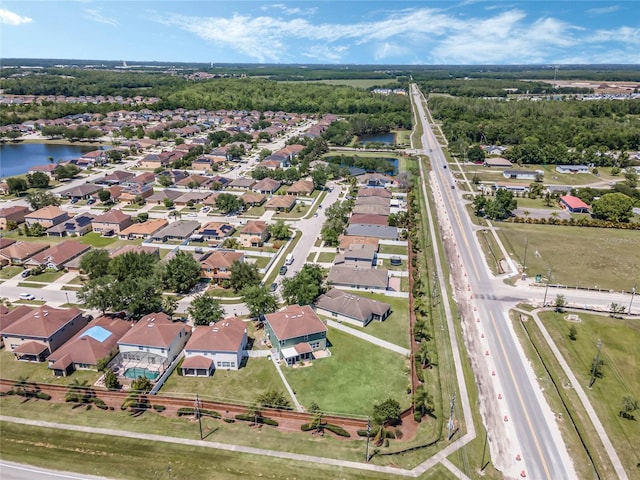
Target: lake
[388, 138]
[17, 158]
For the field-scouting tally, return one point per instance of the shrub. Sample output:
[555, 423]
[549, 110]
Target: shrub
[398, 433]
[417, 416]
[43, 396]
[306, 427]
[250, 418]
[337, 429]
[100, 404]
[229, 420]
[363, 433]
[159, 408]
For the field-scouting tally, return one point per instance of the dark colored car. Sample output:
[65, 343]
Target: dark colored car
[283, 270]
[274, 286]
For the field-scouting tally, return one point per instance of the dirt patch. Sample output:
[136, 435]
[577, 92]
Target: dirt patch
[572, 317]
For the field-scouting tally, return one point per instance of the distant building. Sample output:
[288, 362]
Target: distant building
[574, 204]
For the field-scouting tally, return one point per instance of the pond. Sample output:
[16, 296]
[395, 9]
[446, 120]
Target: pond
[386, 138]
[17, 159]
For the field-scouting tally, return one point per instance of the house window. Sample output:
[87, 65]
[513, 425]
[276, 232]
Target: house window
[140, 348]
[314, 345]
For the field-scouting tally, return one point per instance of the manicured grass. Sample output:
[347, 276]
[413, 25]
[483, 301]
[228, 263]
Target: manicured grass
[47, 277]
[393, 249]
[579, 256]
[260, 262]
[395, 328]
[537, 203]
[95, 240]
[39, 372]
[326, 257]
[241, 386]
[621, 372]
[492, 252]
[10, 272]
[352, 379]
[386, 263]
[256, 211]
[31, 285]
[220, 292]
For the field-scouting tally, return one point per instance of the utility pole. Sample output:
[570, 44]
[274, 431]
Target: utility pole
[546, 289]
[366, 455]
[595, 365]
[196, 406]
[633, 292]
[451, 422]
[524, 261]
[484, 449]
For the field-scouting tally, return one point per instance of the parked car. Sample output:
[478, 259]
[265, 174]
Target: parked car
[192, 214]
[204, 209]
[274, 286]
[91, 201]
[73, 200]
[25, 273]
[27, 296]
[283, 270]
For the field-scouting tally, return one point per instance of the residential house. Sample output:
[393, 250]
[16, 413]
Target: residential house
[143, 230]
[574, 204]
[174, 175]
[253, 199]
[220, 345]
[74, 227]
[56, 256]
[97, 341]
[111, 222]
[139, 186]
[194, 181]
[301, 187]
[134, 249]
[254, 233]
[242, 183]
[13, 214]
[214, 232]
[572, 169]
[216, 266]
[295, 333]
[179, 230]
[382, 232]
[373, 200]
[345, 241]
[116, 178]
[512, 187]
[351, 308]
[81, 192]
[374, 192]
[497, 162]
[368, 219]
[358, 277]
[375, 180]
[523, 174]
[159, 196]
[47, 216]
[358, 254]
[281, 203]
[266, 186]
[46, 169]
[154, 341]
[7, 317]
[41, 331]
[19, 252]
[96, 157]
[194, 197]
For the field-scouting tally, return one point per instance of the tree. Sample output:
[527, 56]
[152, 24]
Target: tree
[560, 303]
[141, 385]
[205, 309]
[165, 181]
[506, 200]
[98, 294]
[479, 204]
[616, 308]
[631, 177]
[423, 355]
[104, 195]
[138, 296]
[167, 202]
[317, 419]
[280, 230]
[169, 304]
[304, 287]
[243, 275]
[38, 180]
[274, 399]
[142, 217]
[476, 154]
[62, 172]
[182, 272]
[423, 401]
[39, 200]
[319, 177]
[95, 263]
[386, 413]
[629, 405]
[615, 207]
[258, 300]
[227, 202]
[17, 185]
[573, 333]
[133, 264]
[111, 381]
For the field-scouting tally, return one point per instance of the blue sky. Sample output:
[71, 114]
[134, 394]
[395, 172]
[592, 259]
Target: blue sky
[349, 31]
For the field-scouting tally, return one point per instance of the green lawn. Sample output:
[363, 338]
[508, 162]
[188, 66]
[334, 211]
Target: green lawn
[621, 372]
[39, 372]
[256, 211]
[355, 376]
[10, 272]
[47, 277]
[578, 256]
[393, 249]
[31, 285]
[241, 386]
[326, 257]
[95, 240]
[260, 262]
[526, 202]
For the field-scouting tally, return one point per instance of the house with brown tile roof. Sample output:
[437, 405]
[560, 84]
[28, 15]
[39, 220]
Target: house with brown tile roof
[47, 216]
[41, 331]
[368, 219]
[96, 341]
[179, 230]
[220, 345]
[7, 317]
[134, 249]
[301, 187]
[348, 307]
[295, 333]
[281, 203]
[216, 265]
[195, 197]
[251, 199]
[15, 214]
[159, 196]
[254, 233]
[266, 186]
[373, 200]
[371, 209]
[346, 240]
[214, 232]
[117, 177]
[18, 252]
[154, 340]
[374, 192]
[46, 169]
[111, 222]
[57, 255]
[195, 179]
[5, 242]
[242, 182]
[143, 230]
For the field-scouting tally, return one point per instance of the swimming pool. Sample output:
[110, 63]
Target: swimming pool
[141, 372]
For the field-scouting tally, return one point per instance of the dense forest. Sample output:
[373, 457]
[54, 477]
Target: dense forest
[493, 87]
[542, 131]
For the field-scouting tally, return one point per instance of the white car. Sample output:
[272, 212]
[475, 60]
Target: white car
[27, 296]
[192, 214]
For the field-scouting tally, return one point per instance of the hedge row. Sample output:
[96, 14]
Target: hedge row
[372, 433]
[38, 395]
[188, 411]
[251, 418]
[580, 222]
[338, 430]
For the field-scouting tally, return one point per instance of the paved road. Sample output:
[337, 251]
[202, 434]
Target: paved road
[542, 447]
[17, 471]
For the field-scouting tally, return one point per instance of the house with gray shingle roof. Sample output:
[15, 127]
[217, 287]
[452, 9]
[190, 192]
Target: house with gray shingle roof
[348, 307]
[359, 277]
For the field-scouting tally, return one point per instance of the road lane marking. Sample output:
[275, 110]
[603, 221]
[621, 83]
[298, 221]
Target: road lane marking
[524, 409]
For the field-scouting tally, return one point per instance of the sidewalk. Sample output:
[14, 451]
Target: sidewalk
[368, 338]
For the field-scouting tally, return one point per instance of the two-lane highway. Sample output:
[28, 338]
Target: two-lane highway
[538, 439]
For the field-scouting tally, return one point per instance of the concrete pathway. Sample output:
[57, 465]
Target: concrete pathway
[299, 407]
[575, 384]
[368, 338]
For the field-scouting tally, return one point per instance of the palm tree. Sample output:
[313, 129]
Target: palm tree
[175, 214]
[169, 305]
[423, 355]
[50, 159]
[423, 400]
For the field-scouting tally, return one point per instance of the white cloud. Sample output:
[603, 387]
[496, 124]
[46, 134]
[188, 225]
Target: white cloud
[11, 18]
[603, 10]
[625, 35]
[326, 54]
[389, 50]
[96, 15]
[289, 10]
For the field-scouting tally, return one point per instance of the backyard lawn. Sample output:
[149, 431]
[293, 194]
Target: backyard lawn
[39, 372]
[355, 376]
[393, 249]
[10, 272]
[621, 371]
[578, 256]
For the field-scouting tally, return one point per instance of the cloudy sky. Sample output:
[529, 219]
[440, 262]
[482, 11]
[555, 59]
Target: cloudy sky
[348, 31]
